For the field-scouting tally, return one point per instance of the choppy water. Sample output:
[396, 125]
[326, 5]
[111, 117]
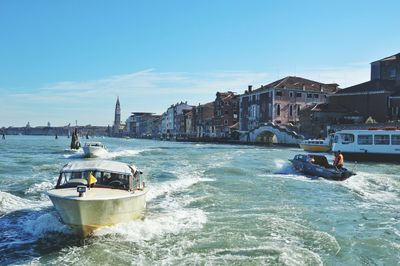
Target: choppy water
[208, 205]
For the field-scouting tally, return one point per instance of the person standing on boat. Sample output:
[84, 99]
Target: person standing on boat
[339, 160]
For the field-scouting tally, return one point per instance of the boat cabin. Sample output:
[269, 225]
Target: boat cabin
[368, 141]
[99, 173]
[314, 159]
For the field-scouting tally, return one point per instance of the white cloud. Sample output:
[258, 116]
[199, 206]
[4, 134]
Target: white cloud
[92, 101]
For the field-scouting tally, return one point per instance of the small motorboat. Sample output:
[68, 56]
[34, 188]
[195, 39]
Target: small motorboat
[94, 193]
[317, 165]
[94, 149]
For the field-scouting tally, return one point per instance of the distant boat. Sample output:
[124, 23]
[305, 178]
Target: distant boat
[94, 193]
[94, 149]
[317, 165]
[317, 145]
[374, 144]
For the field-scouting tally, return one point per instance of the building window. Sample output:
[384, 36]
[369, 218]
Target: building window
[278, 109]
[392, 73]
[298, 95]
[225, 122]
[316, 96]
[278, 93]
[382, 140]
[290, 110]
[365, 139]
[291, 94]
[309, 95]
[395, 139]
[298, 108]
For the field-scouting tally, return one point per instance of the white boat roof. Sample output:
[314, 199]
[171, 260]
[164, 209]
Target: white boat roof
[99, 165]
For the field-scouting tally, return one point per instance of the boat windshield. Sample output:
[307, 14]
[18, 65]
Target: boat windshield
[319, 160]
[95, 144]
[102, 179]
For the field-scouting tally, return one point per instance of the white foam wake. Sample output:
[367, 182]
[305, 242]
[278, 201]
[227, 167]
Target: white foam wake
[374, 187]
[121, 153]
[10, 203]
[172, 216]
[44, 224]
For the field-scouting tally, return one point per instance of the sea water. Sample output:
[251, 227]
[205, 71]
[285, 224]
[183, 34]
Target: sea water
[208, 204]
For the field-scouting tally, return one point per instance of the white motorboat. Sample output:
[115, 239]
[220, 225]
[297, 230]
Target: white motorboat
[374, 144]
[94, 149]
[94, 193]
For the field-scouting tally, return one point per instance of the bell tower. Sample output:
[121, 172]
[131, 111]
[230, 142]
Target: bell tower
[117, 117]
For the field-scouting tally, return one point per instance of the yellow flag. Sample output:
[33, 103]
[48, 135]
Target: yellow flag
[92, 179]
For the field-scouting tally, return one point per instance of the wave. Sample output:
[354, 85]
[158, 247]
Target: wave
[10, 203]
[45, 223]
[167, 210]
[122, 153]
[74, 154]
[373, 187]
[40, 188]
[172, 221]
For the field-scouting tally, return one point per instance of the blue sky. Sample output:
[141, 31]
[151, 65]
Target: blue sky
[62, 61]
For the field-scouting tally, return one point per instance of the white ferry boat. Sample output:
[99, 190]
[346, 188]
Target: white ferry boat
[369, 145]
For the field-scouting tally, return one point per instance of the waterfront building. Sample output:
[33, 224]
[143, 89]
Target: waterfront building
[226, 113]
[156, 126]
[378, 98]
[315, 120]
[202, 120]
[141, 124]
[187, 123]
[163, 126]
[280, 101]
[175, 119]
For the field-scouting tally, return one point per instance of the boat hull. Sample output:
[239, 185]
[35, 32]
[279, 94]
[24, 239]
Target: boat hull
[315, 148]
[319, 171]
[371, 157]
[86, 214]
[93, 152]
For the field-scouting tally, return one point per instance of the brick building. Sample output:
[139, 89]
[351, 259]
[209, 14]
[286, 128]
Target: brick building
[202, 120]
[378, 98]
[226, 113]
[281, 101]
[315, 119]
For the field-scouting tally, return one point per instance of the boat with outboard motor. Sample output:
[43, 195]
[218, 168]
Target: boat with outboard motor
[94, 193]
[317, 165]
[374, 144]
[94, 149]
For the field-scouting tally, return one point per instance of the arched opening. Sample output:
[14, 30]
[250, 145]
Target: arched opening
[267, 137]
